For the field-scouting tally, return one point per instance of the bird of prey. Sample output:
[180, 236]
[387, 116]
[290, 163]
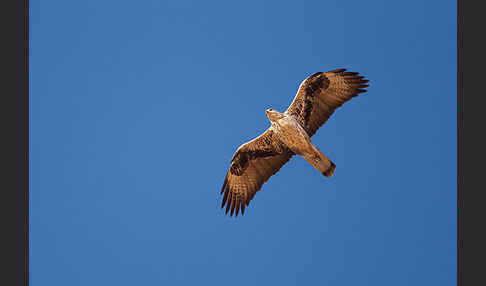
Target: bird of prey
[254, 162]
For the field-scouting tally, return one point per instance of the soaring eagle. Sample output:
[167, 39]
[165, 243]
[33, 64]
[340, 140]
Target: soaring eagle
[289, 134]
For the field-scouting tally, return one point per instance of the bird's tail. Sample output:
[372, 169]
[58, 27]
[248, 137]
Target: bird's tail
[321, 163]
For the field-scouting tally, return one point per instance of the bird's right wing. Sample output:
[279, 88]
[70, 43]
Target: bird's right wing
[252, 165]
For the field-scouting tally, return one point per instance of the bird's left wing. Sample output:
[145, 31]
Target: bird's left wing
[321, 94]
[252, 165]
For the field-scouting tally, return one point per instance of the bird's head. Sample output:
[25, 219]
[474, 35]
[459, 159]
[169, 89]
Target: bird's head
[273, 115]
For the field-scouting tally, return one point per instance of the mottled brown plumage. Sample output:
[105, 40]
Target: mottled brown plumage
[322, 93]
[256, 161]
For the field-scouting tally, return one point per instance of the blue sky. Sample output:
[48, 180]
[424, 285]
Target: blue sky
[136, 108]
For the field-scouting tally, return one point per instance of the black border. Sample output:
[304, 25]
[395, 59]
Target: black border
[27, 154]
[14, 195]
[471, 144]
[459, 143]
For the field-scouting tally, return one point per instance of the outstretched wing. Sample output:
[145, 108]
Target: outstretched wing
[322, 93]
[252, 165]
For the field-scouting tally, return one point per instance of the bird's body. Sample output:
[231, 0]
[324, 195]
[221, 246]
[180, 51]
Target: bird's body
[289, 134]
[294, 136]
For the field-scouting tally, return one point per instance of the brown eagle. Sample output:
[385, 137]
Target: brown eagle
[289, 134]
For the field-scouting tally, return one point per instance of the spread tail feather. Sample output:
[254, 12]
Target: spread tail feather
[321, 163]
[330, 172]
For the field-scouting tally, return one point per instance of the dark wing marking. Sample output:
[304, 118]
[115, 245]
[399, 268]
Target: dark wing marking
[251, 166]
[320, 94]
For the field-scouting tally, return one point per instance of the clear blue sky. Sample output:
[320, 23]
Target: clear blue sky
[136, 108]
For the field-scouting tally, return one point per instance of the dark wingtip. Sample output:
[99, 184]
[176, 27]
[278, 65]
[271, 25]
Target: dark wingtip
[238, 203]
[224, 184]
[233, 205]
[224, 198]
[229, 202]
